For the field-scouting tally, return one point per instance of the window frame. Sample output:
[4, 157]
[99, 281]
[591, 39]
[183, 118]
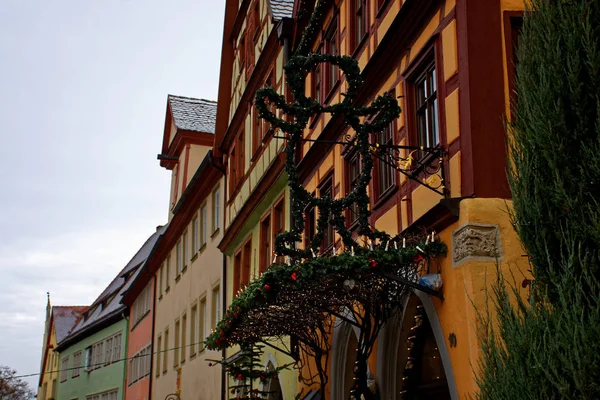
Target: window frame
[356, 39]
[331, 75]
[266, 242]
[327, 184]
[195, 235]
[202, 331]
[216, 305]
[194, 320]
[246, 275]
[216, 209]
[350, 182]
[176, 334]
[424, 71]
[182, 355]
[381, 193]
[158, 353]
[203, 225]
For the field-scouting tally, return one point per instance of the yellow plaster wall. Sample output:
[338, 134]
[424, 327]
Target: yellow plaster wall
[388, 222]
[449, 46]
[452, 117]
[465, 285]
[455, 182]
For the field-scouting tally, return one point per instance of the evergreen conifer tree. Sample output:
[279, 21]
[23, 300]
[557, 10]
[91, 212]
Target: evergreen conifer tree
[548, 347]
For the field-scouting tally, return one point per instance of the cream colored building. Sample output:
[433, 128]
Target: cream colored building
[186, 262]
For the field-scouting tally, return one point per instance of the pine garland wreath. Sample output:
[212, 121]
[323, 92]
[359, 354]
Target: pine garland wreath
[379, 114]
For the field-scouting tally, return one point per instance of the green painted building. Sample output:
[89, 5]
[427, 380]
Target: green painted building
[93, 357]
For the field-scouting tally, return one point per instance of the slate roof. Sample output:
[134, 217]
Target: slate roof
[281, 9]
[193, 114]
[65, 318]
[109, 302]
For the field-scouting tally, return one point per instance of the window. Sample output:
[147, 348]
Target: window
[161, 273]
[183, 336]
[358, 23]
[168, 273]
[193, 329]
[109, 349]
[202, 328]
[353, 167]
[513, 26]
[232, 170]
[178, 259]
[64, 366]
[76, 364]
[278, 219]
[116, 351]
[246, 255]
[97, 355]
[165, 352]
[326, 190]
[204, 226]
[139, 365]
[176, 349]
[256, 20]
[265, 244]
[242, 52]
[309, 225]
[88, 359]
[331, 46]
[158, 352]
[141, 305]
[316, 83]
[241, 161]
[237, 273]
[54, 387]
[425, 89]
[256, 131]
[184, 250]
[195, 233]
[385, 173]
[110, 395]
[216, 209]
[216, 306]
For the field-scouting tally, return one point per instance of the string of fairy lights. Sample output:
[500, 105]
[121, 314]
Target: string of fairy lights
[102, 364]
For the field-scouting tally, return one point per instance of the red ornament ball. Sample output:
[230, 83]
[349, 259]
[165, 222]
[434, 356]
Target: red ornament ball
[267, 287]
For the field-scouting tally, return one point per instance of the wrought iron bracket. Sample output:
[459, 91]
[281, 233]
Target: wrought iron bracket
[424, 165]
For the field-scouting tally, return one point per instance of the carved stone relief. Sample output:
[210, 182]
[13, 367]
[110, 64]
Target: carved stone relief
[476, 242]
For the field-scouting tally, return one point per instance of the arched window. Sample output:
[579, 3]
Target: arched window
[273, 386]
[410, 362]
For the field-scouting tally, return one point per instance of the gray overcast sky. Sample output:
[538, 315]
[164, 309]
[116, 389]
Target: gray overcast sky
[83, 88]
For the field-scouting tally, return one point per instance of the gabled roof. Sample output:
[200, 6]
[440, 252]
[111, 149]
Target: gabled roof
[193, 114]
[108, 304]
[65, 318]
[281, 9]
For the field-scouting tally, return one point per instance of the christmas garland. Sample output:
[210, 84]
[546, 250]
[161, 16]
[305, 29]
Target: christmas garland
[363, 285]
[302, 280]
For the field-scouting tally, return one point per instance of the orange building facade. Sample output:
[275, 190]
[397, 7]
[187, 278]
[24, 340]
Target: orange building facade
[449, 63]
[139, 342]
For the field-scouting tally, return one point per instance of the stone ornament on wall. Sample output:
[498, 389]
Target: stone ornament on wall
[476, 242]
